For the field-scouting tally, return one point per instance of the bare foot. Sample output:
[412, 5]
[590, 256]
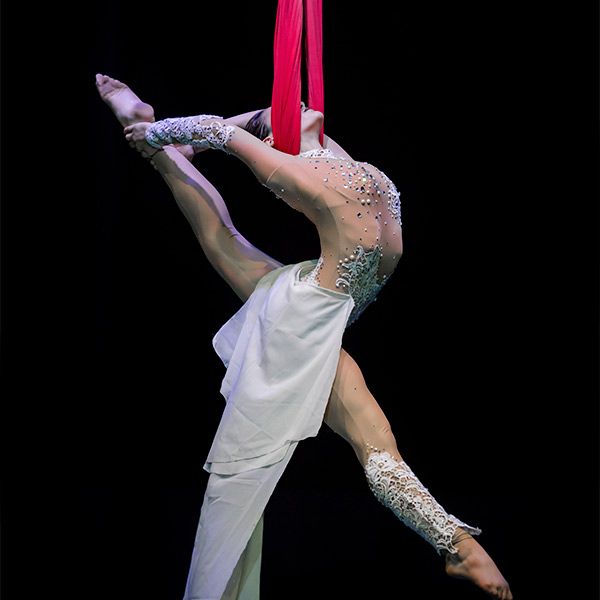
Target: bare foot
[128, 108]
[474, 563]
[126, 105]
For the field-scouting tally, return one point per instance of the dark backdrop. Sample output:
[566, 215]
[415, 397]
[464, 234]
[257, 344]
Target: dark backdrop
[481, 350]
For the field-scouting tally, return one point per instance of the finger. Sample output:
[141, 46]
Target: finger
[129, 136]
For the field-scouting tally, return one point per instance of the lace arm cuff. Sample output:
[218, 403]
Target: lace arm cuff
[190, 130]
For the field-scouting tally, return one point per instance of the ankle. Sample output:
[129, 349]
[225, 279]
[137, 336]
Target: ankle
[460, 535]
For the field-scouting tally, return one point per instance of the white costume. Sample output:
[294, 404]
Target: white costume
[281, 351]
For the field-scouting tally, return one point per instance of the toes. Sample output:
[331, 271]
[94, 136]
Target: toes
[101, 79]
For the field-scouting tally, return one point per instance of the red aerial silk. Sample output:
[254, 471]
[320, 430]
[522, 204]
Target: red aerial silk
[287, 55]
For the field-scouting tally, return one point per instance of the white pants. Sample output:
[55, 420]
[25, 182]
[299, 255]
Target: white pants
[227, 553]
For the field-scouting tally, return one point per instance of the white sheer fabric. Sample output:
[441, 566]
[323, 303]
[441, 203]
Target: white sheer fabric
[227, 554]
[281, 351]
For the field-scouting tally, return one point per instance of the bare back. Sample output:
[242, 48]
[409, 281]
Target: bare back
[356, 210]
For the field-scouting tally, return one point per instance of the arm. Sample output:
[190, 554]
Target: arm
[210, 131]
[240, 120]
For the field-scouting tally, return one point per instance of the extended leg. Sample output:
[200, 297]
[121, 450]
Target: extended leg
[239, 262]
[353, 413]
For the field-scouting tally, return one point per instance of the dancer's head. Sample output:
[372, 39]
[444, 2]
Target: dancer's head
[260, 124]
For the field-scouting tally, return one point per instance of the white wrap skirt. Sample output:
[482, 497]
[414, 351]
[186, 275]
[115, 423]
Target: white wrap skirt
[281, 351]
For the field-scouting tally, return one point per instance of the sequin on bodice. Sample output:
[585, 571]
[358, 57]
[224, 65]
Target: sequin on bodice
[357, 276]
[356, 208]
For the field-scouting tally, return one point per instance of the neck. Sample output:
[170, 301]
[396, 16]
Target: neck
[310, 141]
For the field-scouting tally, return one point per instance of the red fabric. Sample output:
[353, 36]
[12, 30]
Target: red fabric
[287, 46]
[285, 101]
[313, 15]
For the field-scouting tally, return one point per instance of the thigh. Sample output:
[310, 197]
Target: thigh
[238, 261]
[240, 264]
[353, 412]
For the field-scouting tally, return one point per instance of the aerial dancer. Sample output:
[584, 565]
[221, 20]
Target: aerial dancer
[286, 370]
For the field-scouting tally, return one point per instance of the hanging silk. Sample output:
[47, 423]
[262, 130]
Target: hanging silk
[287, 56]
[313, 16]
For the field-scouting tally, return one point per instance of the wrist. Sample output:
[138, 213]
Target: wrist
[151, 138]
[190, 131]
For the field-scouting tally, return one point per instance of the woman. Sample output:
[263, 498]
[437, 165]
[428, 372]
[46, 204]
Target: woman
[286, 370]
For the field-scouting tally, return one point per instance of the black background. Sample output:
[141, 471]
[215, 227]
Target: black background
[481, 350]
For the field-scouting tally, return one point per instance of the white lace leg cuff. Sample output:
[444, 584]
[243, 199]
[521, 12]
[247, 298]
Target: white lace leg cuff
[395, 485]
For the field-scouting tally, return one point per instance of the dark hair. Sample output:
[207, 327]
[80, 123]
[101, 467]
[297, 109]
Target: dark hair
[257, 126]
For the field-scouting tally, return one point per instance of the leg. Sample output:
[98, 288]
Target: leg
[354, 414]
[239, 263]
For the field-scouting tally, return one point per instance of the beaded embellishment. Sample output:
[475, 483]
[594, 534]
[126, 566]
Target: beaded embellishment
[365, 187]
[319, 152]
